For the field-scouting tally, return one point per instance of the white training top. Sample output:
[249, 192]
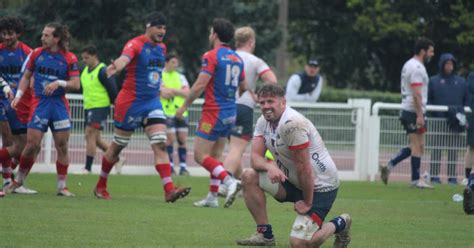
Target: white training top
[413, 73]
[254, 67]
[294, 131]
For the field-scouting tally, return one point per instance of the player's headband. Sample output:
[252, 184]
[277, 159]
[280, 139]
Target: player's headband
[157, 22]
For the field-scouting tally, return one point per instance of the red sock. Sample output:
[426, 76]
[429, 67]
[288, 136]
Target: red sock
[4, 155]
[7, 169]
[26, 164]
[165, 173]
[215, 167]
[15, 162]
[61, 170]
[214, 184]
[106, 168]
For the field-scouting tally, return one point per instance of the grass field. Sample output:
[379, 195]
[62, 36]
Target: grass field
[137, 216]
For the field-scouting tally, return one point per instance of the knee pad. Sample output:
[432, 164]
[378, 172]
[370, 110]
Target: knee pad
[157, 138]
[303, 227]
[121, 140]
[265, 183]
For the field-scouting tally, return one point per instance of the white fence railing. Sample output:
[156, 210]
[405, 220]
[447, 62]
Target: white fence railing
[357, 140]
[343, 127]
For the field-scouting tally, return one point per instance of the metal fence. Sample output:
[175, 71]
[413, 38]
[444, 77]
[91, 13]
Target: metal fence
[444, 148]
[340, 125]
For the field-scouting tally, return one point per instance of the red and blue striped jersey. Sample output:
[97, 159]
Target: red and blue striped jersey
[143, 73]
[48, 67]
[226, 69]
[11, 62]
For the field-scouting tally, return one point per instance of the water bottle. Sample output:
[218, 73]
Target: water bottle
[457, 198]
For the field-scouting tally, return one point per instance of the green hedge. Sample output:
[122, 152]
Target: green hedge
[330, 94]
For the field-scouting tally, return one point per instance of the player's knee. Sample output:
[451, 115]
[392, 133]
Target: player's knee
[249, 176]
[121, 140]
[158, 138]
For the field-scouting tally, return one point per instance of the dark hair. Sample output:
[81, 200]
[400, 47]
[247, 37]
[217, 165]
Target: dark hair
[155, 19]
[170, 56]
[92, 50]
[11, 23]
[423, 43]
[224, 29]
[271, 90]
[61, 32]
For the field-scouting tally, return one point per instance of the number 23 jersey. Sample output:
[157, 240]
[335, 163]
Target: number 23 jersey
[294, 132]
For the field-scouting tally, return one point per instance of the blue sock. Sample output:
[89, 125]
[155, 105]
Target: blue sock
[471, 181]
[401, 155]
[89, 161]
[170, 153]
[415, 168]
[266, 230]
[182, 154]
[340, 224]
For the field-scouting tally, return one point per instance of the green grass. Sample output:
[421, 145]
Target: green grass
[137, 216]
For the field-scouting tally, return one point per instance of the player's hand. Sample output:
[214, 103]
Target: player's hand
[15, 102]
[301, 207]
[420, 121]
[180, 112]
[276, 175]
[9, 95]
[50, 88]
[111, 69]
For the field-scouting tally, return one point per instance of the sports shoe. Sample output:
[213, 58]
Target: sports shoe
[343, 238]
[24, 190]
[207, 203]
[222, 190]
[102, 193]
[84, 171]
[232, 191]
[65, 192]
[8, 188]
[177, 193]
[119, 165]
[468, 202]
[256, 239]
[464, 181]
[420, 184]
[384, 173]
[183, 172]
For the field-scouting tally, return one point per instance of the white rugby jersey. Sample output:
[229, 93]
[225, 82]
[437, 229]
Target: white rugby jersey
[295, 131]
[413, 73]
[254, 67]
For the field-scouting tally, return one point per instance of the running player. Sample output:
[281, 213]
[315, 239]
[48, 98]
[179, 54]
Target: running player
[222, 72]
[138, 105]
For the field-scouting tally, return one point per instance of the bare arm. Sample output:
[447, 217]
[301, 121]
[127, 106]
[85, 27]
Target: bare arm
[117, 65]
[72, 84]
[269, 77]
[305, 177]
[22, 87]
[418, 99]
[196, 90]
[259, 163]
[184, 91]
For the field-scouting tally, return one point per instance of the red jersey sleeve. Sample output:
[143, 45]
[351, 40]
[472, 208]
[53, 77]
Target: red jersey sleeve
[131, 49]
[72, 69]
[26, 49]
[209, 62]
[163, 46]
[30, 65]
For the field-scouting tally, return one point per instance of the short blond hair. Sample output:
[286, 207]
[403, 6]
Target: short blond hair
[243, 35]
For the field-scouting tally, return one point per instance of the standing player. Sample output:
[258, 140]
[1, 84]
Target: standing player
[303, 173]
[13, 124]
[414, 89]
[173, 94]
[99, 92]
[54, 70]
[138, 105]
[242, 131]
[221, 73]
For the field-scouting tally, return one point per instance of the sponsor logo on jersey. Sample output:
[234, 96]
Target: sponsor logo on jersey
[205, 127]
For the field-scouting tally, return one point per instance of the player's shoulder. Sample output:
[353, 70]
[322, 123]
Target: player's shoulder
[136, 41]
[292, 119]
[70, 56]
[36, 52]
[24, 47]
